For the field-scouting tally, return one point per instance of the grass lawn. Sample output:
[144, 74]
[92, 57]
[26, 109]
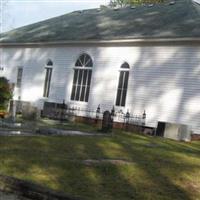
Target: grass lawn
[122, 167]
[28, 125]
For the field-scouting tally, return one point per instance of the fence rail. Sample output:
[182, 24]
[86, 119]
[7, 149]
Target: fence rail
[63, 112]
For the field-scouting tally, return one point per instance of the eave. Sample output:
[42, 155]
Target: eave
[121, 42]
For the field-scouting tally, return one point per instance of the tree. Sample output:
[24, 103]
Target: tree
[5, 93]
[114, 3]
[122, 3]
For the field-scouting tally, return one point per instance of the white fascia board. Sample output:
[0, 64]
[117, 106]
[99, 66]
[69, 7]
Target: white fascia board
[106, 42]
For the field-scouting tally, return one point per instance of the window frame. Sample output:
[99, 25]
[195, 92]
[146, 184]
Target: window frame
[19, 78]
[49, 63]
[47, 81]
[121, 100]
[87, 54]
[82, 96]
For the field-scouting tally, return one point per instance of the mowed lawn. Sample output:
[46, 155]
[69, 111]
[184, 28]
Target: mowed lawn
[120, 167]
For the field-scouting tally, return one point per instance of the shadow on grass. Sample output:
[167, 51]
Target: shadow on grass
[158, 171]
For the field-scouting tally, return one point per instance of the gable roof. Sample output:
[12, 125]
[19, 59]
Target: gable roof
[181, 20]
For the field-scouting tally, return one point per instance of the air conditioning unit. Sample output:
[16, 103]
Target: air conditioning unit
[174, 131]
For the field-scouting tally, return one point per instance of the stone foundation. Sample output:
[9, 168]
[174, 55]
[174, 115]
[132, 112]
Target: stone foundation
[195, 137]
[116, 125]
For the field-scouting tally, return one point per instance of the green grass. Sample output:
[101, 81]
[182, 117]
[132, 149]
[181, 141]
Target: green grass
[48, 123]
[67, 125]
[148, 168]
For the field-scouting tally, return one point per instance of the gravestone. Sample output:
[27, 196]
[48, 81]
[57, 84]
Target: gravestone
[12, 110]
[30, 112]
[63, 108]
[107, 122]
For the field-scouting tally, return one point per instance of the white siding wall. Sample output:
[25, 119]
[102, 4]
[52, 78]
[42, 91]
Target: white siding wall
[164, 80]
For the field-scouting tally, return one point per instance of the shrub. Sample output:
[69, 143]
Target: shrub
[5, 93]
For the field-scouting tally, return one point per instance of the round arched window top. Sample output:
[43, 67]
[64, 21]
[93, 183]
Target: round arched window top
[49, 63]
[125, 65]
[84, 60]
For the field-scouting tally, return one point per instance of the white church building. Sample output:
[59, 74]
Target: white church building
[134, 58]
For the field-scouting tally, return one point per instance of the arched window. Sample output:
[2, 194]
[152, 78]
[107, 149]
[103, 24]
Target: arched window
[122, 85]
[82, 78]
[84, 60]
[49, 62]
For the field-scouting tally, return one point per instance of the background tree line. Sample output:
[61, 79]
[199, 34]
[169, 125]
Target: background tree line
[122, 3]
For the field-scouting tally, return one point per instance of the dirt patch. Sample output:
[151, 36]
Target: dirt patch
[7, 196]
[111, 161]
[192, 186]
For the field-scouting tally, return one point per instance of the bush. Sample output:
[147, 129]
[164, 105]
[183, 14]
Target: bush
[5, 93]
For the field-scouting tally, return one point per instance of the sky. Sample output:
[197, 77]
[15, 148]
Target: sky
[17, 13]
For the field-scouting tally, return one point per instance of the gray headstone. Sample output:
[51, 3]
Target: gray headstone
[107, 122]
[12, 110]
[30, 112]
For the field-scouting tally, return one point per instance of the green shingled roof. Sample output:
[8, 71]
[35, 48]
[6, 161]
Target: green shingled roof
[160, 21]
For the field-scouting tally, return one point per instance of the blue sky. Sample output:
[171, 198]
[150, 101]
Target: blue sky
[18, 13]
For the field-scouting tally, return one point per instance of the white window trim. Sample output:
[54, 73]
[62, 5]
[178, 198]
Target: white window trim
[122, 70]
[83, 67]
[45, 71]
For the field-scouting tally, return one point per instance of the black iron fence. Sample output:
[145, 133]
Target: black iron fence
[62, 112]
